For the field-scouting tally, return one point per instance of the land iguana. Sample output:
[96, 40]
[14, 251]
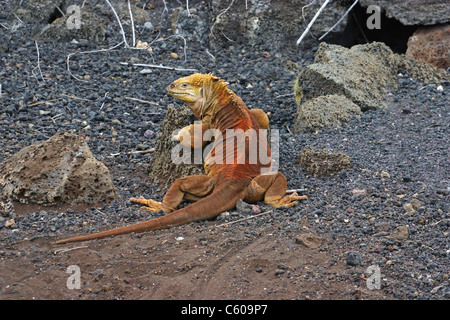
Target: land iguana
[226, 180]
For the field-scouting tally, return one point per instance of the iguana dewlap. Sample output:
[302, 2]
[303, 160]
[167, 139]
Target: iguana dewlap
[237, 176]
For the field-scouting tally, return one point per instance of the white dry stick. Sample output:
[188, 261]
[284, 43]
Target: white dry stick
[160, 66]
[184, 40]
[243, 219]
[0, 90]
[39, 62]
[132, 23]
[187, 8]
[312, 21]
[83, 52]
[340, 20]
[165, 6]
[68, 249]
[142, 101]
[219, 15]
[306, 6]
[303, 12]
[209, 53]
[120, 23]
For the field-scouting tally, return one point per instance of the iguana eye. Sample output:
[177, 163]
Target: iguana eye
[184, 85]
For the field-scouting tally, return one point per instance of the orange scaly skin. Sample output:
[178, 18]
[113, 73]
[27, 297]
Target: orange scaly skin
[224, 184]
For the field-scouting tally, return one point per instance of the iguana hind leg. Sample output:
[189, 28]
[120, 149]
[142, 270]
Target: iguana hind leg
[271, 188]
[191, 188]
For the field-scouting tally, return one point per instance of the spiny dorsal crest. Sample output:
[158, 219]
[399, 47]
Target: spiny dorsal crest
[200, 80]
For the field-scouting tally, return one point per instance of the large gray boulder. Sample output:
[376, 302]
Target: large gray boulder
[61, 170]
[328, 111]
[362, 73]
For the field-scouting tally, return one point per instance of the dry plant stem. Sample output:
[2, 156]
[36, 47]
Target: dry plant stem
[41, 102]
[161, 67]
[340, 20]
[132, 23]
[142, 101]
[39, 62]
[187, 8]
[303, 12]
[218, 16]
[120, 23]
[75, 97]
[184, 40]
[68, 249]
[165, 6]
[312, 21]
[243, 219]
[84, 52]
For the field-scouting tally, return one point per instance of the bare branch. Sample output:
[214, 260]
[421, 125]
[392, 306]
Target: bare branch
[243, 219]
[339, 21]
[160, 66]
[39, 62]
[83, 52]
[132, 23]
[120, 23]
[312, 21]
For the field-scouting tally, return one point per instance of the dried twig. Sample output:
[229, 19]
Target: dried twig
[39, 62]
[187, 8]
[285, 95]
[165, 6]
[243, 219]
[41, 102]
[303, 13]
[184, 40]
[75, 97]
[134, 152]
[83, 52]
[218, 16]
[120, 23]
[142, 101]
[339, 21]
[132, 23]
[209, 53]
[142, 151]
[312, 21]
[68, 249]
[160, 66]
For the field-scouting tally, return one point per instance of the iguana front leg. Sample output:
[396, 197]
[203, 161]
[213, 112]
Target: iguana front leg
[272, 189]
[193, 135]
[191, 188]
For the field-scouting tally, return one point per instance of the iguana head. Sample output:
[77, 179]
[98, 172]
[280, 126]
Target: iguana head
[187, 89]
[198, 91]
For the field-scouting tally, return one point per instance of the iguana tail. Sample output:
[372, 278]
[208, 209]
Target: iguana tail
[222, 199]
